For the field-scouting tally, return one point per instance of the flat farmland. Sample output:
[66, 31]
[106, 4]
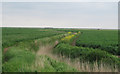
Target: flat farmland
[60, 50]
[103, 39]
[11, 36]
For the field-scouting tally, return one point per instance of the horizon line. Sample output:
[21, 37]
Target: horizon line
[57, 27]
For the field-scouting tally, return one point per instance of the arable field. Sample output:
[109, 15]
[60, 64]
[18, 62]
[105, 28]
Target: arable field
[60, 50]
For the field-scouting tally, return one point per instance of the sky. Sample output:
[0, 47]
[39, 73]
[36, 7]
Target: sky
[60, 0]
[60, 14]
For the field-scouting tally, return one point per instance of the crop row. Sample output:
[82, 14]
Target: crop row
[106, 40]
[22, 58]
[11, 36]
[86, 54]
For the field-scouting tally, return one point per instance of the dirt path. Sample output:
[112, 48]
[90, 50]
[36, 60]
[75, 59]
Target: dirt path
[80, 66]
[74, 41]
[5, 50]
[47, 50]
[118, 56]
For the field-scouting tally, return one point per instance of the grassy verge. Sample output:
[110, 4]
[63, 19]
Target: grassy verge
[46, 64]
[88, 55]
[15, 59]
[23, 58]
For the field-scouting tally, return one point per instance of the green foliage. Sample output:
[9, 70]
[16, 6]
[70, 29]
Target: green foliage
[0, 50]
[69, 38]
[14, 59]
[20, 57]
[11, 36]
[92, 45]
[84, 53]
[101, 39]
[55, 66]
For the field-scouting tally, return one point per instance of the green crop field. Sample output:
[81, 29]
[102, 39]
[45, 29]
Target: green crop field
[11, 36]
[103, 39]
[59, 50]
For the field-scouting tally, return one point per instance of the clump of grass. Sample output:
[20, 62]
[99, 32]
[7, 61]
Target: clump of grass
[20, 56]
[86, 66]
[90, 55]
[15, 58]
[46, 64]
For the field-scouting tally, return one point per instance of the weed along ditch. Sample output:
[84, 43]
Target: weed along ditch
[60, 50]
[60, 37]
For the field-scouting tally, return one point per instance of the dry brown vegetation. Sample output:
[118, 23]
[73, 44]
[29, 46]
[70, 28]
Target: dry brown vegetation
[77, 64]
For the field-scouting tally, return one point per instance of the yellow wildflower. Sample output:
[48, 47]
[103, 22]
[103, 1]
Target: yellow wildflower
[73, 35]
[69, 32]
[62, 39]
[79, 32]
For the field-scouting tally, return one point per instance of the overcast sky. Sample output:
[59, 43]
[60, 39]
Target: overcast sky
[61, 14]
[60, 0]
